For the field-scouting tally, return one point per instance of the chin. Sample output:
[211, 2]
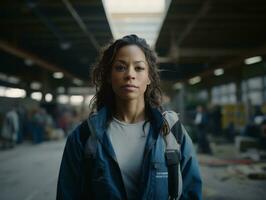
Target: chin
[128, 97]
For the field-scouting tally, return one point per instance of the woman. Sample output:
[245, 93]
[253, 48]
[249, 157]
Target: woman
[128, 134]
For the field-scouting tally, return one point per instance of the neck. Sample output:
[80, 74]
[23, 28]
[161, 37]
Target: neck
[130, 111]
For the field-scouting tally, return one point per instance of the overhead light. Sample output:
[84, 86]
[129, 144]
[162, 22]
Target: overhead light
[2, 91]
[63, 99]
[65, 45]
[3, 77]
[15, 93]
[77, 81]
[13, 79]
[219, 72]
[36, 95]
[58, 75]
[10, 79]
[194, 80]
[28, 62]
[48, 97]
[61, 90]
[177, 86]
[253, 60]
[76, 99]
[35, 85]
[80, 90]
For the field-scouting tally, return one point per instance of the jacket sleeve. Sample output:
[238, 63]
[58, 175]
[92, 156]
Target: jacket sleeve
[69, 185]
[192, 184]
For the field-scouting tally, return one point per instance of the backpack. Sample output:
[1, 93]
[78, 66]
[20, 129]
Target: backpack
[172, 154]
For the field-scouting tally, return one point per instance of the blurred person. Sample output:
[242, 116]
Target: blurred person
[252, 127]
[263, 134]
[37, 125]
[22, 115]
[49, 126]
[64, 121]
[10, 129]
[129, 138]
[75, 120]
[201, 122]
[258, 111]
[215, 121]
[230, 131]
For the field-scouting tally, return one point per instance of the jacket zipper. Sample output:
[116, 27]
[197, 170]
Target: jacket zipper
[144, 160]
[121, 178]
[113, 158]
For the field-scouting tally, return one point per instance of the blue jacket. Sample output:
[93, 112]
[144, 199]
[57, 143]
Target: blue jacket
[107, 180]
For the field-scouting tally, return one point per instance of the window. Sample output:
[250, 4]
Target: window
[253, 90]
[224, 94]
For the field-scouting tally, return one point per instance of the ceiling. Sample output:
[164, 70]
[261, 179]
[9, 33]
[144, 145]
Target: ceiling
[52, 35]
[198, 36]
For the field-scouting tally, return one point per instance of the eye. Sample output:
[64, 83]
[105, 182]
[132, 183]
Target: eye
[120, 68]
[139, 68]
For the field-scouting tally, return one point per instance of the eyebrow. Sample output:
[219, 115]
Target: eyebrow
[135, 62]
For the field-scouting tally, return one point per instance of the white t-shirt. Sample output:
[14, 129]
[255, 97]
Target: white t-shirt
[128, 141]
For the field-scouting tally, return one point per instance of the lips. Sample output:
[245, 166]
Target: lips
[129, 87]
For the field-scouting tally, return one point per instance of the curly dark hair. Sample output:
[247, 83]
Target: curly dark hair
[101, 74]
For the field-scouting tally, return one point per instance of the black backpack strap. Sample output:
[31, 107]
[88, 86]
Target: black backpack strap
[177, 131]
[173, 161]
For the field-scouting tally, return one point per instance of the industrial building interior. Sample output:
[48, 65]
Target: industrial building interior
[211, 53]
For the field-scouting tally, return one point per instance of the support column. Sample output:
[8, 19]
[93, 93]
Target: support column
[181, 102]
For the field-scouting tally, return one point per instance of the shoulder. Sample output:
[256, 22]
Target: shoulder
[74, 136]
[177, 127]
[171, 117]
[79, 135]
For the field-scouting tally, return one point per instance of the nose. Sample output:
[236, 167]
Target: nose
[130, 74]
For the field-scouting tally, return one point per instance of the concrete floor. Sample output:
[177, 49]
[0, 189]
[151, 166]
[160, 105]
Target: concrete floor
[219, 184]
[225, 175]
[29, 172]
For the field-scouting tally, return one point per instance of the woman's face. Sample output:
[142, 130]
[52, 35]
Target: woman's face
[130, 73]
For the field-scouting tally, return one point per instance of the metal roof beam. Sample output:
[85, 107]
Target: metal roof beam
[81, 24]
[207, 52]
[202, 12]
[21, 53]
[59, 19]
[232, 62]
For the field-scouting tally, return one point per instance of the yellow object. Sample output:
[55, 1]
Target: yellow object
[235, 114]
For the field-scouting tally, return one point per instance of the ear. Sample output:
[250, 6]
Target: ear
[149, 81]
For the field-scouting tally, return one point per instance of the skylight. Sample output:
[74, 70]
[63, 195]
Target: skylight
[143, 18]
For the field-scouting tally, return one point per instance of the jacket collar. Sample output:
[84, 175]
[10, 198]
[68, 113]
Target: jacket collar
[99, 121]
[157, 119]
